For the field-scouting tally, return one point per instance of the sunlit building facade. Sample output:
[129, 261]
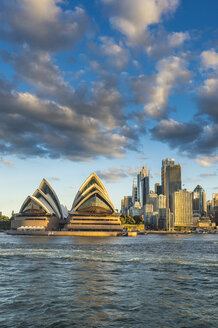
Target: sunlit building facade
[170, 179]
[182, 208]
[215, 206]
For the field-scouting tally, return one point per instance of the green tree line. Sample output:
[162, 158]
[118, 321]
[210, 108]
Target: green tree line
[127, 219]
[5, 222]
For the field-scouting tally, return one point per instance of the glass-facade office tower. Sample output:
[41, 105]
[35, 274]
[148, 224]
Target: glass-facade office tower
[170, 179]
[126, 203]
[158, 189]
[199, 201]
[143, 186]
[134, 192]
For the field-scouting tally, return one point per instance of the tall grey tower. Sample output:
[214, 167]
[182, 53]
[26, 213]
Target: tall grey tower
[134, 191]
[144, 186]
[170, 178]
[199, 201]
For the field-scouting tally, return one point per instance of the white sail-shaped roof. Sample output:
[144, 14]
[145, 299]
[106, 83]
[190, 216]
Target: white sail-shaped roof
[44, 200]
[33, 204]
[51, 197]
[92, 197]
[89, 190]
[50, 205]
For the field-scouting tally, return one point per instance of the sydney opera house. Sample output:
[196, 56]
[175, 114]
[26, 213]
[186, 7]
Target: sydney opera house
[41, 211]
[92, 212]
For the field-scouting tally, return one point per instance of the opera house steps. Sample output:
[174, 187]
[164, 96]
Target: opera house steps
[94, 225]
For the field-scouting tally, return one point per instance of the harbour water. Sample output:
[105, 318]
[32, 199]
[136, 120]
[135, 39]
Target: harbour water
[147, 281]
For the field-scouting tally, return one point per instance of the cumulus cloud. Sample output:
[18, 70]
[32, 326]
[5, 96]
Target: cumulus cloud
[154, 91]
[207, 161]
[209, 59]
[172, 72]
[114, 174]
[117, 55]
[176, 39]
[161, 44]
[133, 18]
[207, 102]
[31, 126]
[6, 162]
[42, 24]
[176, 133]
[208, 93]
[101, 100]
[191, 138]
[57, 120]
[37, 68]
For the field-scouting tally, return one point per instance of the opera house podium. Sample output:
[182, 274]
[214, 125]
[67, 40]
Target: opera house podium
[92, 212]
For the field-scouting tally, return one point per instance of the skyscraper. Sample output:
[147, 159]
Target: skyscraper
[134, 191]
[158, 189]
[144, 187]
[140, 176]
[165, 162]
[138, 187]
[182, 208]
[170, 179]
[126, 204]
[199, 201]
[215, 206]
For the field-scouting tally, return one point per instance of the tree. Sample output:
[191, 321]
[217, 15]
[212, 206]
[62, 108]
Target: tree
[5, 222]
[139, 219]
[126, 219]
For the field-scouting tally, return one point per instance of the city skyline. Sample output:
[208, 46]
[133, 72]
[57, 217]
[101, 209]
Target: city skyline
[107, 88]
[151, 191]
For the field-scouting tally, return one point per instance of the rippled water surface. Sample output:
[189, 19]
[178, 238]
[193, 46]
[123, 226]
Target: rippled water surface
[147, 281]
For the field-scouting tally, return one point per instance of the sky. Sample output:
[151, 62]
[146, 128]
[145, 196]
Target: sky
[106, 86]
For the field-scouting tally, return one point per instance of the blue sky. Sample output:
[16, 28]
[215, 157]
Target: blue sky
[106, 86]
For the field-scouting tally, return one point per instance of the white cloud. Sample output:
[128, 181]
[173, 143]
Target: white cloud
[161, 44]
[31, 126]
[116, 54]
[210, 86]
[208, 91]
[209, 59]
[114, 174]
[172, 72]
[132, 18]
[41, 11]
[177, 39]
[208, 98]
[207, 161]
[6, 162]
[43, 24]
